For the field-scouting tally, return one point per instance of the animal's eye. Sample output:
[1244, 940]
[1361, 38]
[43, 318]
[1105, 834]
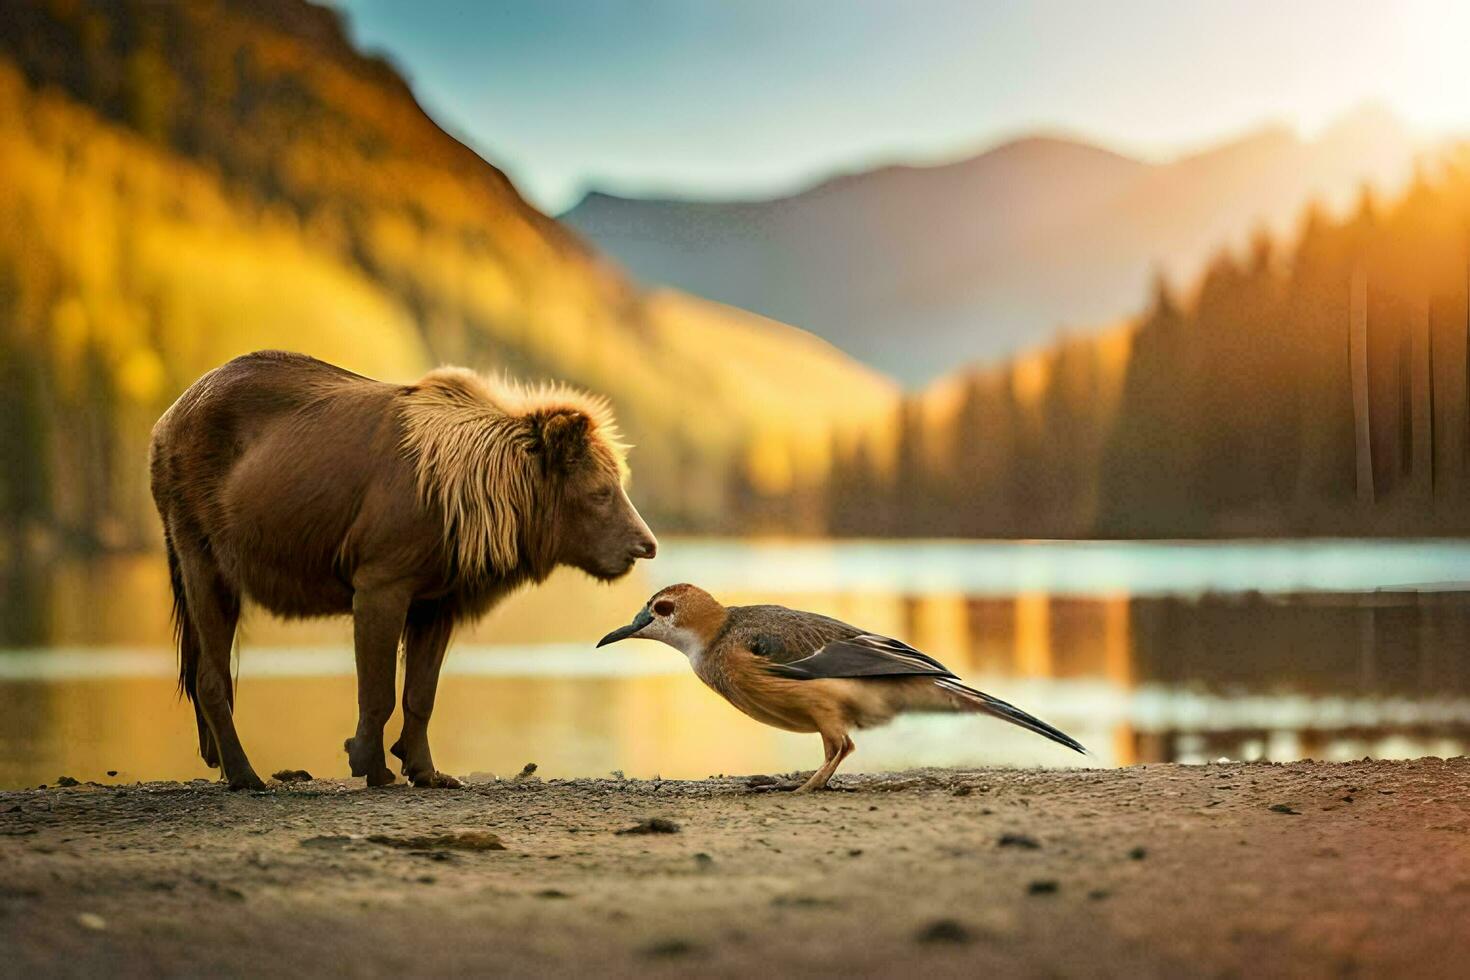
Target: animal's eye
[601, 496]
[663, 607]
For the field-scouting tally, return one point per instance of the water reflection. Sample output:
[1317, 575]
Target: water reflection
[1138, 676]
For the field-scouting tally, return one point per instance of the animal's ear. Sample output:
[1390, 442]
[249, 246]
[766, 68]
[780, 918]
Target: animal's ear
[564, 437]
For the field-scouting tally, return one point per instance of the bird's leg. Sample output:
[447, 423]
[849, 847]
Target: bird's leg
[837, 748]
[847, 748]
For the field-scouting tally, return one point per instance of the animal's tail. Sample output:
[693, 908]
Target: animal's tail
[186, 640]
[974, 700]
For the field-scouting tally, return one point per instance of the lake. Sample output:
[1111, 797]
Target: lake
[1144, 651]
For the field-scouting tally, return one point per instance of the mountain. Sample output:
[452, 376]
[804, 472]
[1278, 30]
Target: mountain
[185, 182]
[918, 269]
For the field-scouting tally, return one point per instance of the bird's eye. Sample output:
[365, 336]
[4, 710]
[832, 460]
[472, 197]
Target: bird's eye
[663, 607]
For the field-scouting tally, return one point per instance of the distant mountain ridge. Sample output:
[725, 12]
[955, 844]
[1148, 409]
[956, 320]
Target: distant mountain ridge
[916, 270]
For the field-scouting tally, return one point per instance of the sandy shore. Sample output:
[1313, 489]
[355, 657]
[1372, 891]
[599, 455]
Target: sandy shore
[1307, 869]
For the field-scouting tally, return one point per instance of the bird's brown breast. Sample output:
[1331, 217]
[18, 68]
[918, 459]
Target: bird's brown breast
[740, 677]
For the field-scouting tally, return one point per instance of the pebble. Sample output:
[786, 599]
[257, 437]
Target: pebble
[91, 920]
[1024, 841]
[652, 825]
[327, 840]
[463, 840]
[944, 931]
[292, 776]
[670, 947]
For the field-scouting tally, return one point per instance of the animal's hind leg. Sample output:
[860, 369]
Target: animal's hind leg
[214, 610]
[377, 623]
[424, 643]
[207, 750]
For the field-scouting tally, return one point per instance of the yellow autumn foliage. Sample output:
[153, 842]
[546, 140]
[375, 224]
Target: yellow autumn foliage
[127, 269]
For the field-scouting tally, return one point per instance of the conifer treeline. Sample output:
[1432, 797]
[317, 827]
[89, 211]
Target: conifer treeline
[1236, 412]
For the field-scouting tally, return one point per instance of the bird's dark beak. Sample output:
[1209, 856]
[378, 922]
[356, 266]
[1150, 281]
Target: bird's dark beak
[641, 620]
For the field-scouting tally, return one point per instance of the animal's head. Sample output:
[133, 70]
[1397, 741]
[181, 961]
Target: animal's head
[594, 526]
[684, 616]
[526, 478]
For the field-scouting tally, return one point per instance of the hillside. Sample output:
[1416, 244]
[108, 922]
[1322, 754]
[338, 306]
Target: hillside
[185, 182]
[992, 255]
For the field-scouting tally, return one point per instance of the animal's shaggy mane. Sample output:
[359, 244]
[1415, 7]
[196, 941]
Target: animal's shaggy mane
[480, 456]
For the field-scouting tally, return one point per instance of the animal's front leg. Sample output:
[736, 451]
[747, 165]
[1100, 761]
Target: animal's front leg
[425, 641]
[377, 622]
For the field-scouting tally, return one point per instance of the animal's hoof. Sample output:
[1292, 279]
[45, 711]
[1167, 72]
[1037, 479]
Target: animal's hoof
[382, 777]
[247, 780]
[436, 780]
[367, 766]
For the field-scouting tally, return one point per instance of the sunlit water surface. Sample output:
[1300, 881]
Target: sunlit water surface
[1144, 651]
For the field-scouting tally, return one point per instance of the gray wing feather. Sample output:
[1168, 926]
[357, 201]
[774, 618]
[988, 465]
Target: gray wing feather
[782, 635]
[864, 655]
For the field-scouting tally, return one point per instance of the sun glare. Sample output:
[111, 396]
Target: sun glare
[1434, 73]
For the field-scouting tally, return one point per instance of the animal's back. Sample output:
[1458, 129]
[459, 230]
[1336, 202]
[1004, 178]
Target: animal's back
[251, 386]
[263, 462]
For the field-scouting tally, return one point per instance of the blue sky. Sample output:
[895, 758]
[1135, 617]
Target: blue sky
[752, 97]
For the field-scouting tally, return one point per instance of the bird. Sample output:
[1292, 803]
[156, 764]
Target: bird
[805, 672]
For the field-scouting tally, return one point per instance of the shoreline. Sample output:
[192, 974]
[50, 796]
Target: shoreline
[1315, 869]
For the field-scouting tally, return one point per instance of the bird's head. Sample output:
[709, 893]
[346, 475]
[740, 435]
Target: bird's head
[684, 616]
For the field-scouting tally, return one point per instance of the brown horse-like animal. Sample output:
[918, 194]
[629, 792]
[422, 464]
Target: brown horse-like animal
[317, 492]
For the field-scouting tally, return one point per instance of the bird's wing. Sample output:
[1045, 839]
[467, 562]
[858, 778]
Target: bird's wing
[864, 655]
[783, 636]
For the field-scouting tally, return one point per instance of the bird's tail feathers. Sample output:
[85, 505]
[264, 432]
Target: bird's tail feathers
[970, 699]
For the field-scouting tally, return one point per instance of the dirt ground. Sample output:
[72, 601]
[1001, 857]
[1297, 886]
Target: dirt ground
[1306, 869]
